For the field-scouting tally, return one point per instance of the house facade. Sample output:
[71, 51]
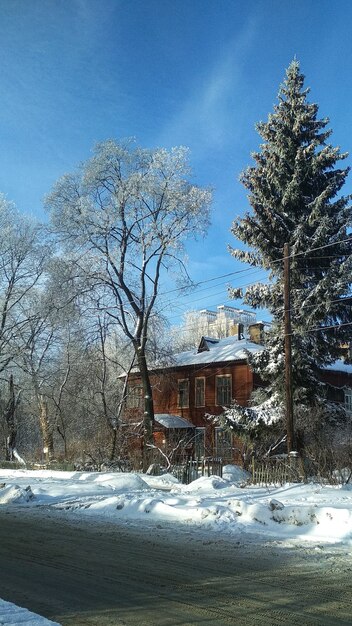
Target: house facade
[196, 384]
[339, 377]
[199, 383]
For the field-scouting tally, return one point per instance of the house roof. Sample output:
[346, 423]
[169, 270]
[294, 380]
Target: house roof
[217, 351]
[210, 350]
[340, 366]
[172, 421]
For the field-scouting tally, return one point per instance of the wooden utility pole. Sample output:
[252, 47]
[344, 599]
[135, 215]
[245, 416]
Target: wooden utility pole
[288, 351]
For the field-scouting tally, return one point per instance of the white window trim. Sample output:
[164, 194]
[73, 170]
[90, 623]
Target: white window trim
[216, 387]
[200, 430]
[183, 406]
[195, 391]
[217, 431]
[134, 396]
[347, 391]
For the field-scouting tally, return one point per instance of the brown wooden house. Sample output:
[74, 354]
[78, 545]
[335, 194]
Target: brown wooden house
[339, 377]
[196, 384]
[201, 382]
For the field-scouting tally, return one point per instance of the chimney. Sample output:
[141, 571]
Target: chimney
[237, 330]
[256, 332]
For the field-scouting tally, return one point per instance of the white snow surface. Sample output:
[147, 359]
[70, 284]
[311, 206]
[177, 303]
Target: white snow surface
[228, 506]
[340, 366]
[13, 615]
[227, 349]
[292, 514]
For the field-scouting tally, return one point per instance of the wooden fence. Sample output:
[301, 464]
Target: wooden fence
[275, 472]
[195, 468]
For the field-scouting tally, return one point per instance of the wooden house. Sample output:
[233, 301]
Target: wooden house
[339, 377]
[194, 385]
[201, 382]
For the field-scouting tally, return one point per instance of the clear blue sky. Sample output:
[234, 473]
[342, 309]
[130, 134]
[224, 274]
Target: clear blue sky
[198, 73]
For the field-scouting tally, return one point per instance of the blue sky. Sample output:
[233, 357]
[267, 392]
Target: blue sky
[198, 73]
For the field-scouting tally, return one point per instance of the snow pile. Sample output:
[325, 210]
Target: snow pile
[16, 494]
[15, 615]
[117, 482]
[308, 512]
[235, 474]
[203, 485]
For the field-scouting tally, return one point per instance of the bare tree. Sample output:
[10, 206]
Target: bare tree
[110, 357]
[123, 217]
[38, 339]
[10, 419]
[23, 255]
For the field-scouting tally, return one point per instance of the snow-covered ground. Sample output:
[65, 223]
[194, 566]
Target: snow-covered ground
[291, 513]
[13, 615]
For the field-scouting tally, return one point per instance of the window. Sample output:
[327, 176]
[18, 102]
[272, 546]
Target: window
[199, 442]
[348, 399]
[134, 396]
[223, 443]
[223, 390]
[183, 393]
[200, 392]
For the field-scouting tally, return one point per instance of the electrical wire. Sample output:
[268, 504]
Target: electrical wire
[255, 270]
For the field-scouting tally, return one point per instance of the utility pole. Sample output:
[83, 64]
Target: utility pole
[288, 351]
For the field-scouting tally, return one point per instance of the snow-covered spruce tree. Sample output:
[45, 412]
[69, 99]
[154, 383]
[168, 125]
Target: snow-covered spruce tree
[294, 192]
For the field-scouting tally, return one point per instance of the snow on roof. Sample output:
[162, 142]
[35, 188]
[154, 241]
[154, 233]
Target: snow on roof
[211, 339]
[172, 421]
[211, 350]
[340, 366]
[228, 349]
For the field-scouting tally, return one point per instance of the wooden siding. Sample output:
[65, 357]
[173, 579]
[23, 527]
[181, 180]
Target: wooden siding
[165, 389]
[243, 381]
[336, 378]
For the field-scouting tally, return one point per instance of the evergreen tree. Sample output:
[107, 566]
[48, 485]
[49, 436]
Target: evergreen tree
[294, 194]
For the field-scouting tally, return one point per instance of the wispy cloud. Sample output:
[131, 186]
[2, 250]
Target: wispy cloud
[209, 111]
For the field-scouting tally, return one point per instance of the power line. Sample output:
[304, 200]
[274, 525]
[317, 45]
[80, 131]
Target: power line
[328, 245]
[207, 298]
[209, 280]
[262, 269]
[321, 328]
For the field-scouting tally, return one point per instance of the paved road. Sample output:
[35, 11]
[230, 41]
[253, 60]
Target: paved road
[81, 575]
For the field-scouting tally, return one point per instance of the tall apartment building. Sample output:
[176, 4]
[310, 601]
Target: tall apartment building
[221, 323]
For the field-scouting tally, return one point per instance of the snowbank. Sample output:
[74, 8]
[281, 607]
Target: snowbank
[12, 614]
[293, 512]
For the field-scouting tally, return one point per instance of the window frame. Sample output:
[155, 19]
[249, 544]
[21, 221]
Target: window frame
[185, 405]
[223, 445]
[199, 433]
[196, 403]
[347, 399]
[134, 397]
[228, 377]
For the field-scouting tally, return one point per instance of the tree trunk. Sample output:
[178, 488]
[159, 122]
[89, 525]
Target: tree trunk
[62, 433]
[113, 444]
[148, 415]
[10, 421]
[10, 417]
[48, 441]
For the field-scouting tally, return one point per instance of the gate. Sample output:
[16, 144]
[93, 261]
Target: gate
[195, 468]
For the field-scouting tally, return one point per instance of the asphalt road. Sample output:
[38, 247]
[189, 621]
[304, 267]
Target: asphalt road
[107, 575]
